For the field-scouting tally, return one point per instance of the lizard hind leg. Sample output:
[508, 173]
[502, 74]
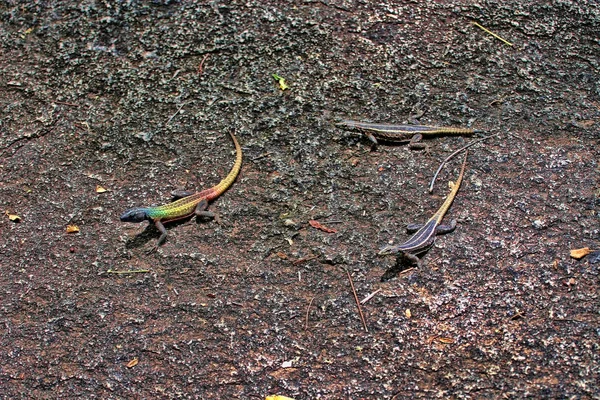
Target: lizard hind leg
[201, 210]
[442, 229]
[416, 144]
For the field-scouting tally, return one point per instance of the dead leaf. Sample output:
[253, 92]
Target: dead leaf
[282, 255]
[133, 363]
[445, 340]
[282, 84]
[407, 313]
[72, 229]
[13, 217]
[318, 225]
[100, 189]
[588, 123]
[277, 397]
[580, 253]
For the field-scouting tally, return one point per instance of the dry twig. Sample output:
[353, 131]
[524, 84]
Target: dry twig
[492, 33]
[452, 155]
[201, 66]
[308, 312]
[362, 317]
[370, 296]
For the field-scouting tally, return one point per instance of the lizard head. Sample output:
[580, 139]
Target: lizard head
[387, 250]
[137, 214]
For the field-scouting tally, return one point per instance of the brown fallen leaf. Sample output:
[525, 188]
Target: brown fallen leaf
[445, 340]
[100, 189]
[72, 229]
[588, 123]
[580, 253]
[431, 339]
[318, 225]
[133, 363]
[304, 259]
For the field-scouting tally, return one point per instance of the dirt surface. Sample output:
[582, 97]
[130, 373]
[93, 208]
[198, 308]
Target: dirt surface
[138, 97]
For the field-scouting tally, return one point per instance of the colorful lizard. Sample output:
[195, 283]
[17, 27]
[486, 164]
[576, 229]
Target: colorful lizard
[191, 204]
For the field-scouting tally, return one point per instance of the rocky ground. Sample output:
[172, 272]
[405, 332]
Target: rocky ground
[137, 98]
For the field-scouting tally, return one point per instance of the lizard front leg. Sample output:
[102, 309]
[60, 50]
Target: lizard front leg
[371, 138]
[412, 228]
[405, 257]
[159, 225]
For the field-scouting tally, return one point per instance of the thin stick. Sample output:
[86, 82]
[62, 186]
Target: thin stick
[370, 296]
[301, 260]
[492, 33]
[133, 271]
[176, 112]
[64, 103]
[453, 154]
[201, 66]
[362, 317]
[308, 312]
